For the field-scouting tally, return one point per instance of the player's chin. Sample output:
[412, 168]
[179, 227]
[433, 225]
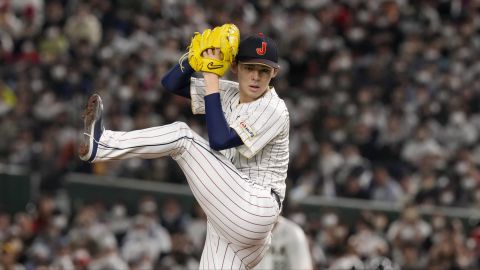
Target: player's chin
[256, 91]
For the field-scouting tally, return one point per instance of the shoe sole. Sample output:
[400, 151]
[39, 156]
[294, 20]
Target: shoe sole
[93, 128]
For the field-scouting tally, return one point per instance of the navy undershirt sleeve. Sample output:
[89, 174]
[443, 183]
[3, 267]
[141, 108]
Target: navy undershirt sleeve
[177, 81]
[220, 135]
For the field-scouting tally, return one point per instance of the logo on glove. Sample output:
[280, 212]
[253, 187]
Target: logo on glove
[210, 65]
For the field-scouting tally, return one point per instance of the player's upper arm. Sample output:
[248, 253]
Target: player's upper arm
[258, 127]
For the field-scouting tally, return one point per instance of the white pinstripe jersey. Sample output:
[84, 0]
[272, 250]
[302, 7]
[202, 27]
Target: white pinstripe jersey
[263, 125]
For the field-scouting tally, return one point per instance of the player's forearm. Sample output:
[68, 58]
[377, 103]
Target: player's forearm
[220, 135]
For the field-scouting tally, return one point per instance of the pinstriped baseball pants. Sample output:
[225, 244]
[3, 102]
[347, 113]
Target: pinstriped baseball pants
[240, 213]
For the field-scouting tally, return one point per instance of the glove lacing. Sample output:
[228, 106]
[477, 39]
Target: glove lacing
[180, 61]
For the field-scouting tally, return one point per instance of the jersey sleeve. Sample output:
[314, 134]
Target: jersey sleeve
[259, 126]
[197, 93]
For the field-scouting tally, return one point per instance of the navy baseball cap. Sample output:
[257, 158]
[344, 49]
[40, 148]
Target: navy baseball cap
[258, 49]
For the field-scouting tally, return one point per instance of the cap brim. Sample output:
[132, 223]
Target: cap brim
[260, 62]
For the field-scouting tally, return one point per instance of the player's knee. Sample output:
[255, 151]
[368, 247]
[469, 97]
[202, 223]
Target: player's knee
[181, 124]
[183, 129]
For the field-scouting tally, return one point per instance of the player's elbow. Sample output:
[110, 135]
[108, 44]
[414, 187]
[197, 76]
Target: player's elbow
[168, 83]
[218, 146]
[177, 79]
[219, 141]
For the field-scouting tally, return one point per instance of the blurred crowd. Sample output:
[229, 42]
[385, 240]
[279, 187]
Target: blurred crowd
[165, 236]
[99, 237]
[383, 97]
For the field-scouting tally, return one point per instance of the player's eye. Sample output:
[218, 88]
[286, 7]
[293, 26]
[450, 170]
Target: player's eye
[265, 71]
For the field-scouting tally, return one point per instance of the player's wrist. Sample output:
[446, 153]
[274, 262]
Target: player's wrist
[212, 83]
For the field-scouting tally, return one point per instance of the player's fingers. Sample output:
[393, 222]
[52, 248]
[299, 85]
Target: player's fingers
[215, 53]
[207, 53]
[218, 53]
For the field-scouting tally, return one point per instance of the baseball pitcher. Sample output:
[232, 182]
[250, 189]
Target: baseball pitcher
[238, 175]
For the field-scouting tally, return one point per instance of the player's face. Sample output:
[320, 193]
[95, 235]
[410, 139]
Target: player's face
[253, 80]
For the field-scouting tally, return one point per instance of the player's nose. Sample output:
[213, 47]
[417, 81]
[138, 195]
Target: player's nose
[255, 74]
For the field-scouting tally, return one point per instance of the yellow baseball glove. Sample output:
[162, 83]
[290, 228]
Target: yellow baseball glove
[225, 37]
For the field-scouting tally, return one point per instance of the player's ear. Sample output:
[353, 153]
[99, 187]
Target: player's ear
[275, 72]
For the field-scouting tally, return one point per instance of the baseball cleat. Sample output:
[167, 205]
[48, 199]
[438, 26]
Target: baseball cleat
[93, 128]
